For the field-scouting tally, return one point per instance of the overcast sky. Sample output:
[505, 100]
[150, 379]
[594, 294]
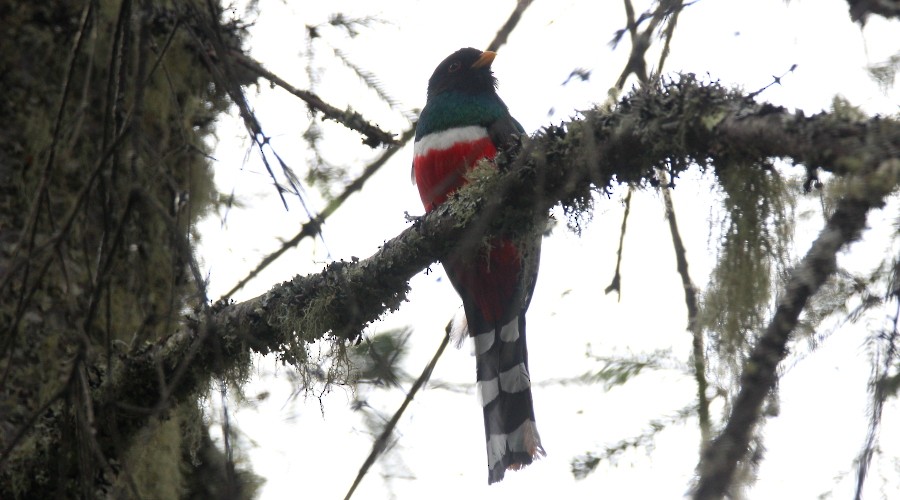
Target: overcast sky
[304, 449]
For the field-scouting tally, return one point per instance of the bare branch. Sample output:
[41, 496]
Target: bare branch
[667, 12]
[615, 285]
[690, 301]
[503, 34]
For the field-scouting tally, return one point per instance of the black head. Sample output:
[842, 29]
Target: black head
[467, 70]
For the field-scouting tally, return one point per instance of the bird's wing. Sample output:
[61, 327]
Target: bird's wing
[505, 132]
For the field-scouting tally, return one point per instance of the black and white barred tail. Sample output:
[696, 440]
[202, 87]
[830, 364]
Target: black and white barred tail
[504, 388]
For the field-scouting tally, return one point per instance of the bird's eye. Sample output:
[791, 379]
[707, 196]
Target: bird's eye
[454, 67]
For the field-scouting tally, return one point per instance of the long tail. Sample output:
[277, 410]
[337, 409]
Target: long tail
[504, 387]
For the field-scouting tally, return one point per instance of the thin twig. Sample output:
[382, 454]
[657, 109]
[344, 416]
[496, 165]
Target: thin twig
[615, 285]
[380, 444]
[374, 136]
[776, 80]
[690, 301]
[640, 40]
[221, 70]
[503, 34]
[669, 34]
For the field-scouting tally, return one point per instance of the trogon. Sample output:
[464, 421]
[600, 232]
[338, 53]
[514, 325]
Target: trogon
[463, 122]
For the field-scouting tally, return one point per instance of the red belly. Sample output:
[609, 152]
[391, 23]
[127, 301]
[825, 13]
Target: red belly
[439, 173]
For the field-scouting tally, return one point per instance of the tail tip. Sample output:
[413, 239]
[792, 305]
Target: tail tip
[516, 460]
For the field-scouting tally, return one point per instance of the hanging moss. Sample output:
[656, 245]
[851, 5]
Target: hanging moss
[753, 247]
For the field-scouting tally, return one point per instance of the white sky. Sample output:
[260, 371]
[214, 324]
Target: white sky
[303, 452]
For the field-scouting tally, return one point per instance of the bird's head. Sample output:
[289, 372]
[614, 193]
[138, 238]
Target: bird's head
[466, 70]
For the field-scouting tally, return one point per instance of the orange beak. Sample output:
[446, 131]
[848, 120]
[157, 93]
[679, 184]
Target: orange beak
[487, 57]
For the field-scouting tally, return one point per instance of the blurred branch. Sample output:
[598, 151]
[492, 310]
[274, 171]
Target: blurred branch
[584, 465]
[691, 303]
[776, 80]
[640, 42]
[887, 351]
[373, 136]
[668, 34]
[615, 285]
[218, 59]
[502, 35]
[862, 9]
[619, 370]
[380, 444]
[372, 81]
[666, 10]
[720, 459]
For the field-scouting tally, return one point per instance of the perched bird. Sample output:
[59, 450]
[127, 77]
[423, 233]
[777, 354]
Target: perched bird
[464, 121]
